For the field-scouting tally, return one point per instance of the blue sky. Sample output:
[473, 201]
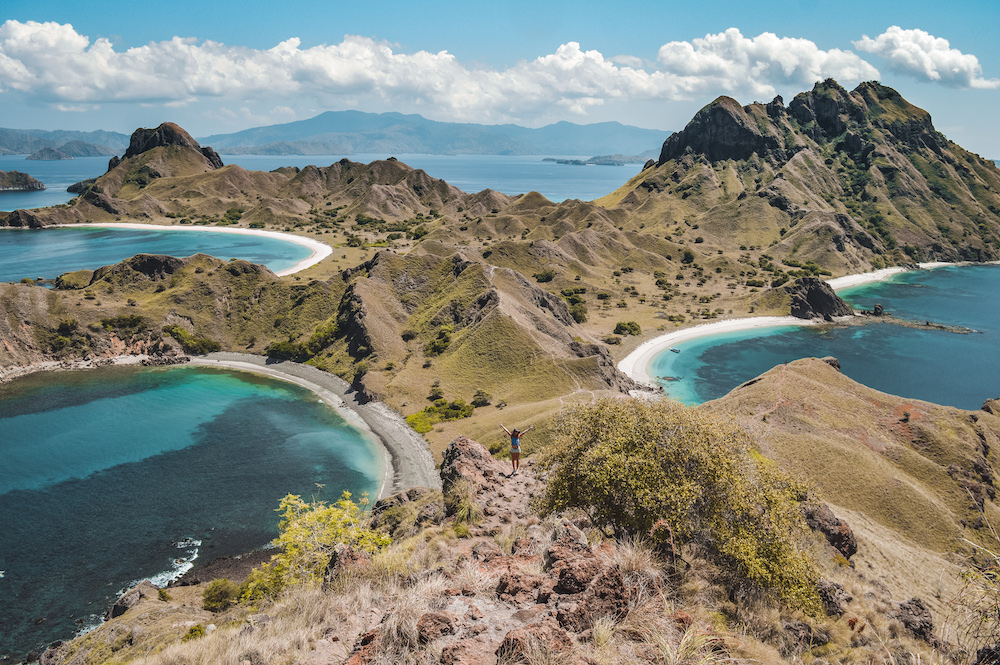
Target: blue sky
[219, 65]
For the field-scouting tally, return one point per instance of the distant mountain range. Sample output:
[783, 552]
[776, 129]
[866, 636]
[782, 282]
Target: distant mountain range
[71, 143]
[352, 132]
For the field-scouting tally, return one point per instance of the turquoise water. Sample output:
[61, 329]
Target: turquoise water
[937, 366]
[57, 175]
[49, 253]
[114, 475]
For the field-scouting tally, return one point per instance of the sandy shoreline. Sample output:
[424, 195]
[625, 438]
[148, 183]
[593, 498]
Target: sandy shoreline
[636, 364]
[406, 460]
[319, 250]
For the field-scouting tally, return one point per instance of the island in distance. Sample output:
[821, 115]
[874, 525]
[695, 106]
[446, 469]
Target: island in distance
[15, 181]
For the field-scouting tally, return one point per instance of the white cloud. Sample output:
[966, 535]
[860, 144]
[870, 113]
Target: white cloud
[52, 63]
[925, 56]
[762, 64]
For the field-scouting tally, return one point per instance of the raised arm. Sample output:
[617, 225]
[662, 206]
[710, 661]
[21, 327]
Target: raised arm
[505, 429]
[530, 427]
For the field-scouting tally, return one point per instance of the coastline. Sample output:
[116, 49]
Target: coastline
[636, 364]
[407, 461]
[319, 250]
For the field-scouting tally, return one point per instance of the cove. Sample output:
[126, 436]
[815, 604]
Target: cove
[50, 252]
[115, 475]
[932, 365]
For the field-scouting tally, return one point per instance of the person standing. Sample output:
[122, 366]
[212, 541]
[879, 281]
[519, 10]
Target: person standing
[515, 447]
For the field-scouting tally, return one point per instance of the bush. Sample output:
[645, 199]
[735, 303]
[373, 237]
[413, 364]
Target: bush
[481, 398]
[220, 594]
[545, 276]
[628, 328]
[642, 468]
[308, 534]
[190, 343]
[578, 312]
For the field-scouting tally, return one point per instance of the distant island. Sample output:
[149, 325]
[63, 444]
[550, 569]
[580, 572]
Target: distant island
[49, 154]
[354, 132]
[608, 160]
[15, 181]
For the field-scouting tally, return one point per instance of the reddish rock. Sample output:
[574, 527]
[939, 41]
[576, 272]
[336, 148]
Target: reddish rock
[576, 575]
[468, 652]
[465, 459]
[518, 587]
[604, 597]
[522, 546]
[433, 625]
[486, 551]
[837, 532]
[545, 635]
[365, 649]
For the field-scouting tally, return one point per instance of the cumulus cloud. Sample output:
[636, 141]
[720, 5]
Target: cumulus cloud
[730, 61]
[925, 56]
[52, 63]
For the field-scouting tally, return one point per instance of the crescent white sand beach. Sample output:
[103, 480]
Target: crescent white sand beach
[407, 461]
[636, 364]
[319, 250]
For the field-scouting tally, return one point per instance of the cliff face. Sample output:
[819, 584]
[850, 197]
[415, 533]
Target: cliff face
[848, 179]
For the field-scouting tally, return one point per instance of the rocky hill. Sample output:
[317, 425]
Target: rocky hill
[15, 181]
[845, 179]
[27, 141]
[473, 575]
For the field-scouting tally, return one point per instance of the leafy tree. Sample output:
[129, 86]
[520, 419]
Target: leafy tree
[220, 594]
[481, 398]
[681, 476]
[308, 533]
[628, 328]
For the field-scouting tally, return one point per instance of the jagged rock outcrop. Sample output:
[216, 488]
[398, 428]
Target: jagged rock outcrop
[132, 597]
[722, 130]
[811, 297]
[467, 460]
[168, 134]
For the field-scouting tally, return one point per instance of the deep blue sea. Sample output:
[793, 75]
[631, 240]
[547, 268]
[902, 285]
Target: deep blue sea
[50, 252]
[115, 475]
[470, 173]
[937, 366]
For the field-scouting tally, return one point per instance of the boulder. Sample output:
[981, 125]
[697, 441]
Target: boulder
[365, 649]
[604, 597]
[577, 574]
[519, 588]
[467, 652]
[545, 636]
[132, 597]
[434, 625]
[346, 558]
[833, 597]
[465, 459]
[811, 297]
[837, 532]
[916, 616]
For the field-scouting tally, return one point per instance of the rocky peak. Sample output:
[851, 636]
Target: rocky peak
[167, 134]
[721, 130]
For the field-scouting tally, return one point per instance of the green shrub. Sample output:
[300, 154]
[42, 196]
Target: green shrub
[194, 633]
[191, 343]
[578, 312]
[163, 595]
[131, 322]
[481, 398]
[545, 276]
[308, 534]
[220, 594]
[628, 328]
[681, 476]
[438, 345]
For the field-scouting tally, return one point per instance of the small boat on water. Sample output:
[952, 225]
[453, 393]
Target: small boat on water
[675, 349]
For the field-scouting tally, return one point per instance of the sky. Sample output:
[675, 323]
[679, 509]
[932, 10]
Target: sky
[218, 66]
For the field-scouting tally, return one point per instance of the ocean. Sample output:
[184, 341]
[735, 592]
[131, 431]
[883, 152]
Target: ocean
[942, 367]
[48, 253]
[470, 173]
[115, 475]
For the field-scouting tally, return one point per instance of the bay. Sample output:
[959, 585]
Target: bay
[48, 253]
[114, 475]
[932, 365]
